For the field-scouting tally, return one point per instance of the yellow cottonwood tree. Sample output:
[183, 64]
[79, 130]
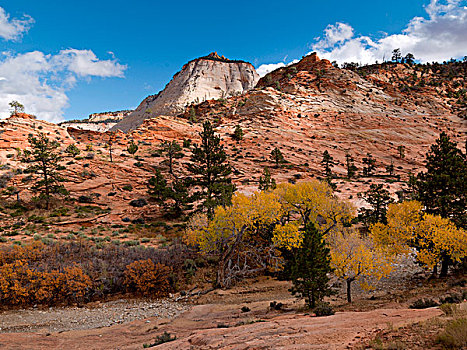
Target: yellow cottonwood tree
[436, 239]
[229, 228]
[315, 202]
[238, 230]
[355, 258]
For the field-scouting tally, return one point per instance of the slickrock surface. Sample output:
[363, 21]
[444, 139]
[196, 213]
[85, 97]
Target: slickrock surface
[198, 328]
[202, 79]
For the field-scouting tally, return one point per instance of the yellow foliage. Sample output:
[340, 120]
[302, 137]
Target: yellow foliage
[432, 236]
[357, 258]
[228, 223]
[288, 235]
[312, 200]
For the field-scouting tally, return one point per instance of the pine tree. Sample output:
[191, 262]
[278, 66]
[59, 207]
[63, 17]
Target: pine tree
[401, 150]
[351, 168]
[173, 151]
[328, 164]
[390, 168]
[310, 266]
[178, 193]
[443, 187]
[211, 171]
[157, 187]
[378, 198]
[369, 165]
[266, 181]
[43, 160]
[16, 107]
[277, 157]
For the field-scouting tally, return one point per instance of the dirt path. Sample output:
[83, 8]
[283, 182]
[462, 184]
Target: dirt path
[199, 328]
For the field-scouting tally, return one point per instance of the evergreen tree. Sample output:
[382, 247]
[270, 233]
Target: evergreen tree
[211, 171]
[132, 147]
[310, 266]
[351, 168]
[192, 115]
[72, 150]
[401, 150]
[378, 198]
[157, 187]
[16, 107]
[369, 165]
[110, 142]
[277, 157]
[443, 187]
[390, 168]
[178, 193]
[266, 181]
[172, 151]
[238, 133]
[43, 160]
[328, 164]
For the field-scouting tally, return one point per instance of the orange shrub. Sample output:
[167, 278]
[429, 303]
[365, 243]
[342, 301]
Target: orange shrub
[147, 279]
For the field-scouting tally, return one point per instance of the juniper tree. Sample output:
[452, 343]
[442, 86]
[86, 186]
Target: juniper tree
[211, 171]
[72, 150]
[309, 267]
[277, 157]
[43, 161]
[443, 187]
[132, 147]
[238, 133]
[351, 168]
[266, 181]
[369, 165]
[172, 151]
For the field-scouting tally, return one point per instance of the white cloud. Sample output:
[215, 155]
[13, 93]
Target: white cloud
[335, 34]
[13, 29]
[440, 36]
[266, 68]
[85, 63]
[41, 81]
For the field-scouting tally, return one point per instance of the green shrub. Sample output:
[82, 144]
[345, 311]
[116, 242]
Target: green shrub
[423, 304]
[455, 334]
[161, 339]
[323, 309]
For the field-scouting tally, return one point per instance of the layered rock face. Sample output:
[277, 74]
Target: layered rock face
[101, 122]
[205, 78]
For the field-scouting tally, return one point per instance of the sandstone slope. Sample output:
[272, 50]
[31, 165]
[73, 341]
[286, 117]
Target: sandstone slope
[205, 78]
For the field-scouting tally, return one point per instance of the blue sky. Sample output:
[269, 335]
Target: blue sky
[139, 45]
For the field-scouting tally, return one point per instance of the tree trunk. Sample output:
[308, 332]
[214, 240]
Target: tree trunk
[220, 274]
[444, 267]
[434, 274]
[349, 295]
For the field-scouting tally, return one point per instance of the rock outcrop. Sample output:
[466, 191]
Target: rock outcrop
[205, 78]
[101, 122]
